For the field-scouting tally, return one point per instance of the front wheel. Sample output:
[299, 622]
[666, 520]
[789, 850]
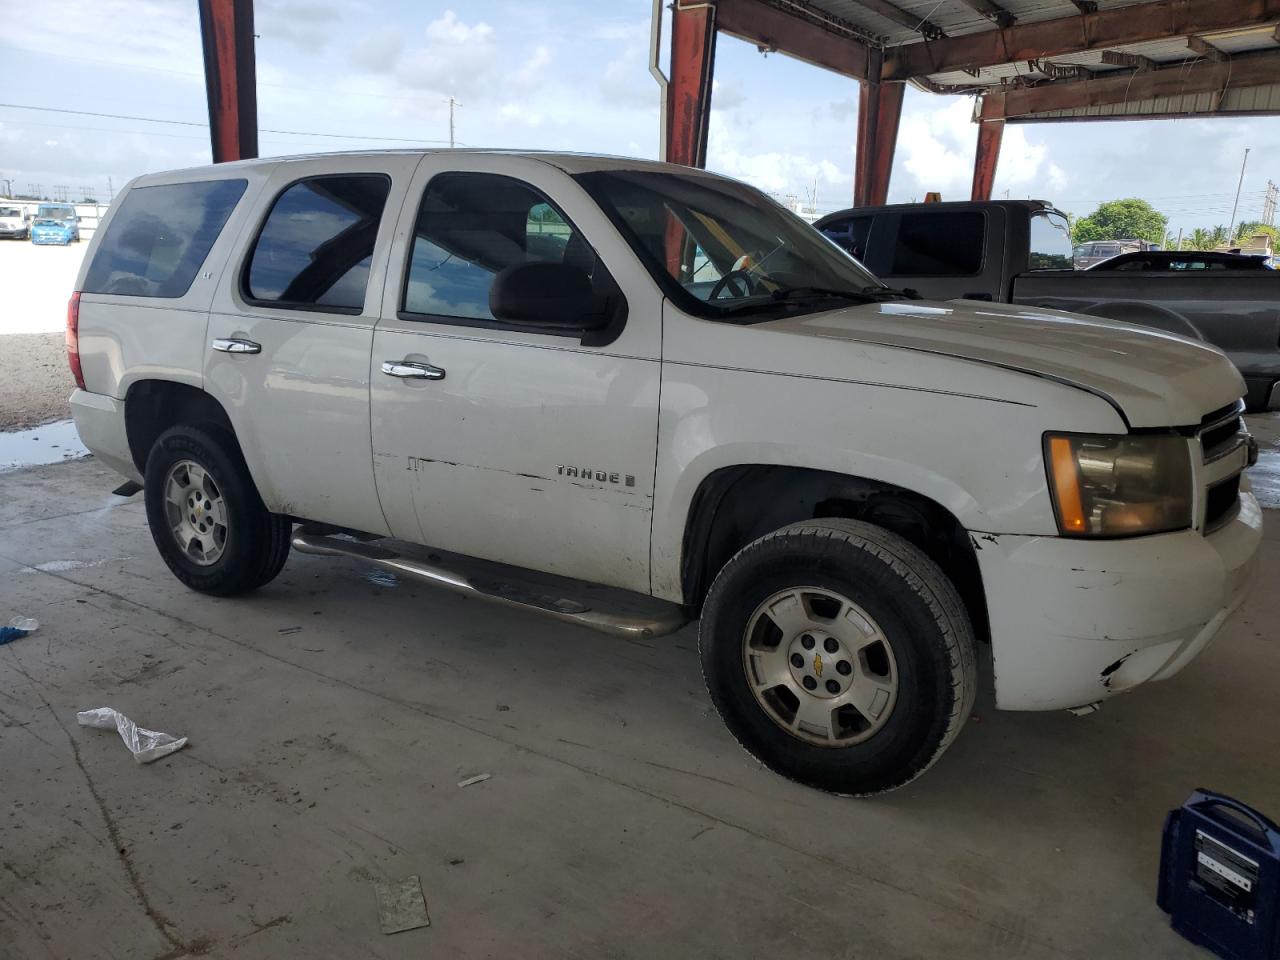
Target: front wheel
[839, 655]
[206, 517]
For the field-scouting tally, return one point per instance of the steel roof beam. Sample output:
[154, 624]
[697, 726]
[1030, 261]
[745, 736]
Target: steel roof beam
[1205, 76]
[1205, 49]
[1138, 23]
[992, 11]
[1134, 61]
[798, 32]
[890, 11]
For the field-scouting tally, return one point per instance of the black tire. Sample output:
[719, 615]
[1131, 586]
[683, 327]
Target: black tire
[917, 610]
[256, 542]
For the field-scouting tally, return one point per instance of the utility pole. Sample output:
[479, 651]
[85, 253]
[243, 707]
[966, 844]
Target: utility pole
[111, 190]
[452, 103]
[1179, 238]
[1269, 205]
[1231, 230]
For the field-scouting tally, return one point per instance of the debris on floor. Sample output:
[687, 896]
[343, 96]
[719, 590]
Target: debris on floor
[18, 627]
[382, 578]
[478, 778]
[401, 905]
[145, 745]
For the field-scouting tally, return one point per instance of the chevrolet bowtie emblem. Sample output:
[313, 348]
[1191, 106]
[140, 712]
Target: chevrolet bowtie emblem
[817, 664]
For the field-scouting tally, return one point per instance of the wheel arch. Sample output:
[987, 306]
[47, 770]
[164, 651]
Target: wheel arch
[735, 505]
[153, 406]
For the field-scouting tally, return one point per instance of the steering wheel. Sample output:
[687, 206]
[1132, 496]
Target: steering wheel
[743, 277]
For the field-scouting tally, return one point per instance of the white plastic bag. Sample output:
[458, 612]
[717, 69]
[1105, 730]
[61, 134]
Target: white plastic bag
[145, 745]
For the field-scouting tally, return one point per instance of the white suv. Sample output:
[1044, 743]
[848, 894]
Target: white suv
[626, 394]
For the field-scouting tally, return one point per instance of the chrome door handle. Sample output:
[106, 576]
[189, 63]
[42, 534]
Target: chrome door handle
[409, 370]
[236, 346]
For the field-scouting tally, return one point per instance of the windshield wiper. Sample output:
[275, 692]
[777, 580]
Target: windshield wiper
[796, 293]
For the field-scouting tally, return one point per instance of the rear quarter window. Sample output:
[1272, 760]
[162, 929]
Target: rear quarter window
[941, 244]
[157, 240]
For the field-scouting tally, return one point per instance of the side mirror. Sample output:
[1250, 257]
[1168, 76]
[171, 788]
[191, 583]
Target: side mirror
[546, 295]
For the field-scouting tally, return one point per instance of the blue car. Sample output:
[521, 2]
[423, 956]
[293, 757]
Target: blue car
[55, 223]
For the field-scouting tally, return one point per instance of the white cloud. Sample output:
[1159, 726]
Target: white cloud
[379, 51]
[457, 59]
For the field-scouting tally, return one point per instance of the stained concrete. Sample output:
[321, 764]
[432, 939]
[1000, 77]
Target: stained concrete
[331, 720]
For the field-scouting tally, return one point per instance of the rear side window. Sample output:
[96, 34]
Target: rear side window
[160, 236]
[471, 226]
[939, 244]
[314, 250]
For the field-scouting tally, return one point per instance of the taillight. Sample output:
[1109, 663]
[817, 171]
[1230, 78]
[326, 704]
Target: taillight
[73, 338]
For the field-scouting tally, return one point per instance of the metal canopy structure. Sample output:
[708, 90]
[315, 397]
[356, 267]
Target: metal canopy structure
[1024, 61]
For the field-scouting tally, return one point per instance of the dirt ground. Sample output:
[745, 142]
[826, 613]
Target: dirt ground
[35, 381]
[35, 283]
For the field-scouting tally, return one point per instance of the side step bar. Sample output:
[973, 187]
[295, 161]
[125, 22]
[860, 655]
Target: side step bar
[620, 613]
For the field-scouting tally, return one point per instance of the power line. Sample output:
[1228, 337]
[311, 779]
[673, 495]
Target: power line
[205, 126]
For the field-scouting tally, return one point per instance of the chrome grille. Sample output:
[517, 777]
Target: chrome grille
[1222, 434]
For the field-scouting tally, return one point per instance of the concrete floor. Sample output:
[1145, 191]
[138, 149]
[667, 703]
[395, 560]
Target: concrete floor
[331, 719]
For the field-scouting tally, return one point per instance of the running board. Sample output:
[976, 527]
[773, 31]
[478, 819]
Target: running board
[620, 613]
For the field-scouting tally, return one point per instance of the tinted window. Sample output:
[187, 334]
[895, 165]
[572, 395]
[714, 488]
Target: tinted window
[939, 244]
[317, 244]
[1050, 243]
[10, 212]
[160, 236]
[850, 235]
[472, 225]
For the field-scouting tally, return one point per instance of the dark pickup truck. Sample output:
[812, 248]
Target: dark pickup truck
[1019, 251]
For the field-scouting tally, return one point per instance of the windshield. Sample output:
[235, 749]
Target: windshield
[55, 213]
[722, 249]
[10, 212]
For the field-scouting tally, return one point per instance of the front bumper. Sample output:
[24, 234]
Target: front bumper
[51, 236]
[13, 233]
[101, 425]
[1077, 621]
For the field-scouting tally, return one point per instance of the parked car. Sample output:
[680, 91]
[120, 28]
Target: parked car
[1086, 255]
[1019, 251]
[13, 225]
[852, 488]
[55, 223]
[1176, 261]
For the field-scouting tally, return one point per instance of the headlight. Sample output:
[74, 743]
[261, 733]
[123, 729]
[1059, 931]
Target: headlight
[1119, 486]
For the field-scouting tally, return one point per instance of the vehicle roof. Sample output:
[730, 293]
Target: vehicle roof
[1029, 205]
[1206, 255]
[568, 162]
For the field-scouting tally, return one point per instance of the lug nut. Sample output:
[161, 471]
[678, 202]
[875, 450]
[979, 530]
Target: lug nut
[809, 683]
[807, 642]
[833, 687]
[830, 645]
[843, 668]
[797, 661]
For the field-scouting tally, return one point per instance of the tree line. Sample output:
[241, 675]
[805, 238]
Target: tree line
[1134, 219]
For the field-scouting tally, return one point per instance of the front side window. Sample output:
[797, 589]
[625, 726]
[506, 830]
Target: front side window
[159, 237]
[850, 235]
[942, 244]
[722, 249]
[473, 225]
[1050, 242]
[316, 245]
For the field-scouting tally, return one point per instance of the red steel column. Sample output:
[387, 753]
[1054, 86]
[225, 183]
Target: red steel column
[693, 53]
[879, 110]
[987, 157]
[226, 31]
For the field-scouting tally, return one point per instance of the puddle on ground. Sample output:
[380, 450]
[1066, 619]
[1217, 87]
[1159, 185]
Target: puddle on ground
[51, 443]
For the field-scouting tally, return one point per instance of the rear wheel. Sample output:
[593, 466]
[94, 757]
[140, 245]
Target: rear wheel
[206, 517]
[839, 655]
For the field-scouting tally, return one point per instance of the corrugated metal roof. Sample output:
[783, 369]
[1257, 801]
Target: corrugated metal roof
[953, 16]
[957, 18]
[1247, 100]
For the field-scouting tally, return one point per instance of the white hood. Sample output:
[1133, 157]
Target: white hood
[1157, 379]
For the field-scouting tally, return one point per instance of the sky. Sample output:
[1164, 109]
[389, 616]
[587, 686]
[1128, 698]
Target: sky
[548, 74]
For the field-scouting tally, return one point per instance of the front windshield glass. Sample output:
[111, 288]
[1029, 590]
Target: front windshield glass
[10, 212]
[723, 249]
[55, 213]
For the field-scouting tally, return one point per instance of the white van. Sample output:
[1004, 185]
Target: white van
[625, 394]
